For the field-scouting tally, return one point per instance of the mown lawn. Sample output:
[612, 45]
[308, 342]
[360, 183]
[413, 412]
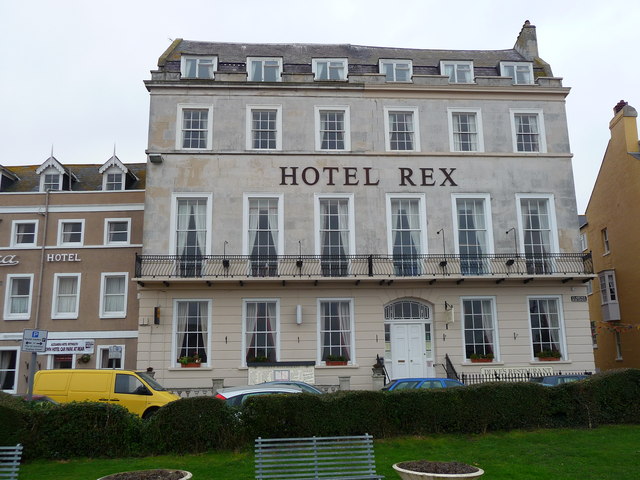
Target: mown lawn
[605, 453]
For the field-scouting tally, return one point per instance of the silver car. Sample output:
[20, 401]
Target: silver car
[236, 396]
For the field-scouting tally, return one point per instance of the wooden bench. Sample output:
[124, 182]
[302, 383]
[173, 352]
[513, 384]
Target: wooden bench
[10, 462]
[320, 458]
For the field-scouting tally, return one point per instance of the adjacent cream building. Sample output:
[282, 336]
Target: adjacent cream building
[312, 204]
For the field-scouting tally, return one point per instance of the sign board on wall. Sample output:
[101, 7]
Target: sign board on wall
[70, 346]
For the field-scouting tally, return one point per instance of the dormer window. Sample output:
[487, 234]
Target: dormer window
[262, 69]
[329, 68]
[54, 177]
[520, 72]
[114, 181]
[396, 70]
[51, 181]
[198, 67]
[458, 72]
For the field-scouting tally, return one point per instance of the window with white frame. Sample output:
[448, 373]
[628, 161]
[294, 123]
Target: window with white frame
[332, 128]
[474, 239]
[336, 329]
[589, 285]
[396, 70]
[195, 130]
[114, 181]
[71, 232]
[465, 129]
[192, 324]
[66, 295]
[608, 290]
[334, 220]
[520, 72]
[401, 127]
[458, 71]
[264, 127]
[479, 326]
[261, 326]
[406, 233]
[618, 340]
[264, 69]
[117, 231]
[329, 68]
[103, 360]
[113, 296]
[528, 131]
[594, 334]
[605, 241]
[198, 67]
[583, 242]
[191, 239]
[8, 369]
[263, 238]
[537, 232]
[18, 292]
[24, 233]
[51, 180]
[545, 320]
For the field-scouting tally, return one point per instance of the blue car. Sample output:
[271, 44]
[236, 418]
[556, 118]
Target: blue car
[410, 383]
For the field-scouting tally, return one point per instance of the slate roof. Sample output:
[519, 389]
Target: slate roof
[88, 177]
[361, 59]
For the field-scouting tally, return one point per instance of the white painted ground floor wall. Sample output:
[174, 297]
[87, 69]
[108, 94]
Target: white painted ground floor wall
[405, 343]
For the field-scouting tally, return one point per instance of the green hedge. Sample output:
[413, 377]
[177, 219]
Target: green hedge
[192, 425]
[203, 423]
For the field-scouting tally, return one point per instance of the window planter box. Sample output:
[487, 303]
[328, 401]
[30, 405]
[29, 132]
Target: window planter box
[334, 363]
[548, 359]
[481, 360]
[190, 365]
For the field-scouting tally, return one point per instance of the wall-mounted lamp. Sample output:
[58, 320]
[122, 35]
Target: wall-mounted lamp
[447, 306]
[509, 262]
[299, 314]
[155, 158]
[515, 336]
[515, 238]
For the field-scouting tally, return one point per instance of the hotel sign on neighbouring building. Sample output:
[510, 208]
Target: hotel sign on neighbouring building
[8, 260]
[63, 257]
[70, 346]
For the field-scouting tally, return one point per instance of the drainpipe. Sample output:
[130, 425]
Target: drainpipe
[34, 355]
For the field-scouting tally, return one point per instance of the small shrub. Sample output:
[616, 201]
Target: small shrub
[192, 425]
[84, 429]
[14, 419]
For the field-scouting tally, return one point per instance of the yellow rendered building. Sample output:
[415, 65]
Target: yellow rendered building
[612, 233]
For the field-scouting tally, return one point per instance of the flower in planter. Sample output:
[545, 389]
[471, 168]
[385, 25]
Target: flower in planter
[186, 359]
[336, 358]
[548, 354]
[86, 358]
[481, 356]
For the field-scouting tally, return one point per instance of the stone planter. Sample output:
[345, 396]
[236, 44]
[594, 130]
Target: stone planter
[416, 475]
[159, 474]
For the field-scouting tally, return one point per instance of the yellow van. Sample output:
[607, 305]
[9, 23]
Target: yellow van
[136, 391]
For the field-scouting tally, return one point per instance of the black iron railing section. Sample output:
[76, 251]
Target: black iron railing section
[449, 368]
[359, 266]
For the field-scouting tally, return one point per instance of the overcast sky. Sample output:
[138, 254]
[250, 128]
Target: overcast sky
[72, 71]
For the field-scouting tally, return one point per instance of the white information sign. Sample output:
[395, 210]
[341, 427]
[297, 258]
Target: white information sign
[70, 346]
[115, 352]
[34, 340]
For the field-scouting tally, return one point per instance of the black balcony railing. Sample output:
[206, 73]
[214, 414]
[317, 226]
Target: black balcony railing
[360, 266]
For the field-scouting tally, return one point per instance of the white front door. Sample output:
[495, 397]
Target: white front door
[408, 351]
